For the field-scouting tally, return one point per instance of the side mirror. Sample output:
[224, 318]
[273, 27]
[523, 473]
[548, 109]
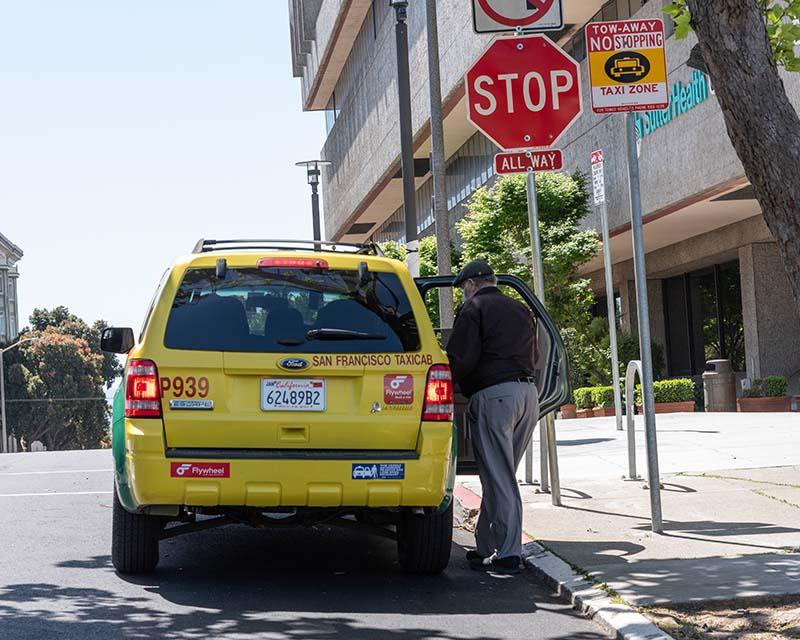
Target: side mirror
[117, 340]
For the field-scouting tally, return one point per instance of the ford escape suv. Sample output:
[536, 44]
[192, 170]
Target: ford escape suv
[279, 382]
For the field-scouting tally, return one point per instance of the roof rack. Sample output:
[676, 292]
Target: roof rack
[206, 246]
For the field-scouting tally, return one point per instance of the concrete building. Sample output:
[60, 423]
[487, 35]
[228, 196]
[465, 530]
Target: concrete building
[10, 254]
[716, 283]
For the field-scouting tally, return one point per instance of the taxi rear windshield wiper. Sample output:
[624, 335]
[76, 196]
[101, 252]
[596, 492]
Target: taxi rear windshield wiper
[342, 334]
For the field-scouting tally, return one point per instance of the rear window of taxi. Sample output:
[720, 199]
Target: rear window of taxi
[285, 310]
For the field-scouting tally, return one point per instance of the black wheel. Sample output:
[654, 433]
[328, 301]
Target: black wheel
[424, 541]
[134, 540]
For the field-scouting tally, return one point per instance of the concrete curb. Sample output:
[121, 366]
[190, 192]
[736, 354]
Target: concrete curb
[619, 619]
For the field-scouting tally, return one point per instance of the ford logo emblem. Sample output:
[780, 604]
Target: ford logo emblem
[293, 364]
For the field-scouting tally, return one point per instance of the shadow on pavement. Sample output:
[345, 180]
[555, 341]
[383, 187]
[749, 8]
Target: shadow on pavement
[296, 583]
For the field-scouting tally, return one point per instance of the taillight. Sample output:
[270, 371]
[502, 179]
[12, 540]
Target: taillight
[438, 405]
[142, 390]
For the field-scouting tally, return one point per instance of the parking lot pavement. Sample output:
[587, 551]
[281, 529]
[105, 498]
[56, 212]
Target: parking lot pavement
[56, 578]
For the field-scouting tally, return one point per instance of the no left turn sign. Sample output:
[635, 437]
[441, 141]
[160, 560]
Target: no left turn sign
[493, 16]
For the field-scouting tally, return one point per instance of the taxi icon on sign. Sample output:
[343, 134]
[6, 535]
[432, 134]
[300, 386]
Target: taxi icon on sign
[627, 66]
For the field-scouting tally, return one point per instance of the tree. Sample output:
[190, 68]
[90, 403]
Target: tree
[57, 382]
[496, 228]
[61, 320]
[742, 43]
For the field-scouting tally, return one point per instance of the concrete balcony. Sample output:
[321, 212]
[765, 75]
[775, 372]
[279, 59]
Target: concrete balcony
[323, 32]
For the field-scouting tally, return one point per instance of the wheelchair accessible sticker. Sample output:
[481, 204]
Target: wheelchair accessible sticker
[378, 471]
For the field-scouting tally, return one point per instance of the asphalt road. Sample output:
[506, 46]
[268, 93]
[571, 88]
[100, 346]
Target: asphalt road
[56, 578]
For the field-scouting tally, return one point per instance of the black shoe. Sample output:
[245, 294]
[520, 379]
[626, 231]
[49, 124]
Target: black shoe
[474, 555]
[508, 565]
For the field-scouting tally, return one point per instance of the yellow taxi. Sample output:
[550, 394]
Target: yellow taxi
[278, 383]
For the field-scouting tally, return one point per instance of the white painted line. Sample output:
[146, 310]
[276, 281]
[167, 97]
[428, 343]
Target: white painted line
[55, 493]
[37, 473]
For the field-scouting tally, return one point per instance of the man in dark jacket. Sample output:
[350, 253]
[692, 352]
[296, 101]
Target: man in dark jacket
[492, 353]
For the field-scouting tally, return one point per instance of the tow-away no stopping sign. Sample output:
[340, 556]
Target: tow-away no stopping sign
[493, 16]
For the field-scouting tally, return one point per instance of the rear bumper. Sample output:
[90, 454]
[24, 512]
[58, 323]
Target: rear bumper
[279, 482]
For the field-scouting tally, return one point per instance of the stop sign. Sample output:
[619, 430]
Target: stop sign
[524, 92]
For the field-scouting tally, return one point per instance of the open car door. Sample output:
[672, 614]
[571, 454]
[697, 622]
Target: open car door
[552, 373]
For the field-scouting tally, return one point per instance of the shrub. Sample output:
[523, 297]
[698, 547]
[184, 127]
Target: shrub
[676, 390]
[769, 387]
[603, 396]
[583, 397]
[628, 349]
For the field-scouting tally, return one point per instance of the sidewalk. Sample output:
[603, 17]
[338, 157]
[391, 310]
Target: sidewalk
[731, 507]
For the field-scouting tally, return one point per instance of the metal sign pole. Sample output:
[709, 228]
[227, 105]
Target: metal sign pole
[438, 168]
[549, 479]
[406, 135]
[533, 223]
[599, 186]
[643, 312]
[612, 314]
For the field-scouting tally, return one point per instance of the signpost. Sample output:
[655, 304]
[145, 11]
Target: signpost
[599, 185]
[525, 92]
[492, 16]
[628, 73]
[627, 65]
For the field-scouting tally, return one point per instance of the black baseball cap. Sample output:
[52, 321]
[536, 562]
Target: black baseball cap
[474, 269]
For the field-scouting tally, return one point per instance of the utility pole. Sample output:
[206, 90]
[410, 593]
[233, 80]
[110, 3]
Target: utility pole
[406, 134]
[440, 213]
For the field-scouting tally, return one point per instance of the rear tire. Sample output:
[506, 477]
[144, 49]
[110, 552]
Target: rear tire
[134, 540]
[424, 541]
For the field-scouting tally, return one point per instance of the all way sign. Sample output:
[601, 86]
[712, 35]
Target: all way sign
[627, 65]
[524, 161]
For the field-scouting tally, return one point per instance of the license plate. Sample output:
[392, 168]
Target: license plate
[292, 395]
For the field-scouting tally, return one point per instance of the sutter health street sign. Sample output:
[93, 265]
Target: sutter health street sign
[627, 65]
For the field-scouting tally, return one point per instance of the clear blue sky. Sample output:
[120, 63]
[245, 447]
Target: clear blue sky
[129, 129]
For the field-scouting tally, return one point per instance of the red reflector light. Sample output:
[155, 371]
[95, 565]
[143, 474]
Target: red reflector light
[299, 263]
[438, 405]
[142, 390]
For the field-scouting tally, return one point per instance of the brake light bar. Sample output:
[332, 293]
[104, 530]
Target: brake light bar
[142, 390]
[438, 405]
[302, 263]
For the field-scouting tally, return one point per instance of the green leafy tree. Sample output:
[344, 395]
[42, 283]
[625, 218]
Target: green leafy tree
[496, 228]
[55, 384]
[61, 320]
[56, 392]
[743, 42]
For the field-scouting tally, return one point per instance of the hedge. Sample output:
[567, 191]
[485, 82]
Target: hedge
[603, 396]
[676, 390]
[769, 387]
[583, 398]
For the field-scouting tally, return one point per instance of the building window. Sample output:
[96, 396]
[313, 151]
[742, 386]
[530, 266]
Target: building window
[703, 317]
[331, 113]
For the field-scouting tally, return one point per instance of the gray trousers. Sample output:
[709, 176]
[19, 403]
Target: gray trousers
[502, 419]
